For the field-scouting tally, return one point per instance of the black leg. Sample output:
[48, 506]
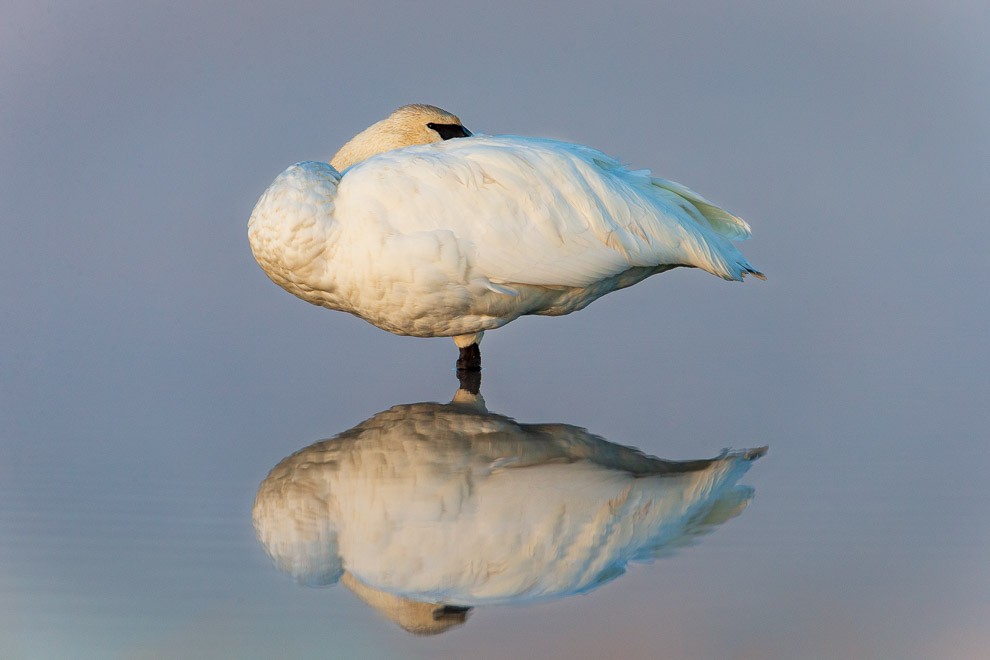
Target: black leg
[469, 369]
[470, 381]
[470, 358]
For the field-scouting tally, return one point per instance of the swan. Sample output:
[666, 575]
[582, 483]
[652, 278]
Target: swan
[422, 228]
[428, 509]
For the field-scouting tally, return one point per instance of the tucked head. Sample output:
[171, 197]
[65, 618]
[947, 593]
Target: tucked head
[409, 125]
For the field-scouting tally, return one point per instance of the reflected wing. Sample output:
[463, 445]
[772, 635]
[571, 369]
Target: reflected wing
[540, 212]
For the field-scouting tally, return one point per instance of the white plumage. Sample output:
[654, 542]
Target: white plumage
[451, 504]
[459, 236]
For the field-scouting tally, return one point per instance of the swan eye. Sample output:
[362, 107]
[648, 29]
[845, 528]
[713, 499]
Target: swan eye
[448, 131]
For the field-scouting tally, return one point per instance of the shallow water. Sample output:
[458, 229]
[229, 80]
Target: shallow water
[449, 529]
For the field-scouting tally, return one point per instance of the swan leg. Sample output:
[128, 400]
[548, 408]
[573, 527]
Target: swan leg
[469, 369]
[469, 359]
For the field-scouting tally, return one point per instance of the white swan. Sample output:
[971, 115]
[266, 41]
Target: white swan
[427, 509]
[428, 236]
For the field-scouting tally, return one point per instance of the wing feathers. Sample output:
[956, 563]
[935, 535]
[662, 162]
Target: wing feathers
[720, 220]
[532, 211]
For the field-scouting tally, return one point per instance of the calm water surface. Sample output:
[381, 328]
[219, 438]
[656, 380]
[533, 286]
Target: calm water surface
[452, 530]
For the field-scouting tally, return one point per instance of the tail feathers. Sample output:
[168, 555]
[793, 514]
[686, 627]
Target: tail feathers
[732, 265]
[755, 273]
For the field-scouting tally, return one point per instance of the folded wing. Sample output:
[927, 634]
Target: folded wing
[541, 212]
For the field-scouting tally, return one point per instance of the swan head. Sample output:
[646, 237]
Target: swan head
[407, 126]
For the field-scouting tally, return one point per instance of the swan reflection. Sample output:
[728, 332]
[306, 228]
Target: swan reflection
[426, 510]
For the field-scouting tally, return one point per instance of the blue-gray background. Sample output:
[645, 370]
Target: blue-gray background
[152, 375]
